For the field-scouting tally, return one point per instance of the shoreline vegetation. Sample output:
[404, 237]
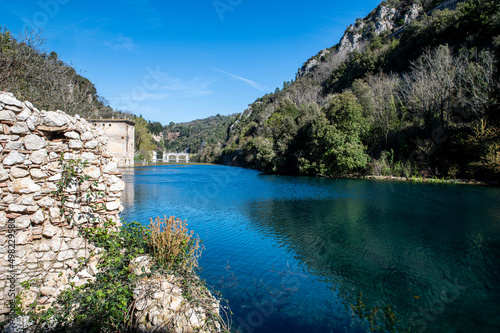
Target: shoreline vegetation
[414, 98]
[457, 181]
[135, 264]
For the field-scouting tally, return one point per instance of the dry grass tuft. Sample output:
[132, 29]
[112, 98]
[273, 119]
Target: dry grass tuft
[173, 245]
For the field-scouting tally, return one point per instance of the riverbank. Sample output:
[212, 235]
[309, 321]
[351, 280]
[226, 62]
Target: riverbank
[460, 181]
[429, 180]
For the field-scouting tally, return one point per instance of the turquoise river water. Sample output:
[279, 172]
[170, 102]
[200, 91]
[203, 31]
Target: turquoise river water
[299, 254]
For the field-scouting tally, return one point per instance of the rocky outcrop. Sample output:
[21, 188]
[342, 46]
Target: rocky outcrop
[160, 304]
[39, 217]
[383, 18]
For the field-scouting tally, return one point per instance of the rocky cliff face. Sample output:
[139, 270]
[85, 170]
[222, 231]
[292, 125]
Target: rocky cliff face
[383, 19]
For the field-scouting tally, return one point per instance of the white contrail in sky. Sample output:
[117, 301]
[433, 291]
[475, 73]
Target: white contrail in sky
[251, 83]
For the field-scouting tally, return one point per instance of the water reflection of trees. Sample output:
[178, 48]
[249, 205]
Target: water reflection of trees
[411, 256]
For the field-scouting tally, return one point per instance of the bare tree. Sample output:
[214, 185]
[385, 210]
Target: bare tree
[384, 94]
[430, 88]
[476, 81]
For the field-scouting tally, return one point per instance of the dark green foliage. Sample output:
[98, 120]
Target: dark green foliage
[155, 127]
[420, 94]
[202, 137]
[336, 139]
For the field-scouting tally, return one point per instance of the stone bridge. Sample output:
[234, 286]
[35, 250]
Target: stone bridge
[169, 157]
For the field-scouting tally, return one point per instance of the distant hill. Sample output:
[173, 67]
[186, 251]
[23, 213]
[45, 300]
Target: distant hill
[412, 89]
[203, 137]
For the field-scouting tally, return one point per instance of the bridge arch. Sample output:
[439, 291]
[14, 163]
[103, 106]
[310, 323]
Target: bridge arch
[171, 157]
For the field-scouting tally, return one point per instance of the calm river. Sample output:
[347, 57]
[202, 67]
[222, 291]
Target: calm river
[298, 254]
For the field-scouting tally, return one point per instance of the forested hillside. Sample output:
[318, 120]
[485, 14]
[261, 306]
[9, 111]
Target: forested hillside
[30, 73]
[203, 137]
[410, 90]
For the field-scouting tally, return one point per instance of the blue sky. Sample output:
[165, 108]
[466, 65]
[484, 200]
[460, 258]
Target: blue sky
[184, 60]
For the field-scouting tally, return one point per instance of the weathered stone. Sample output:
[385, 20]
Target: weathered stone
[113, 205]
[14, 157]
[3, 219]
[48, 291]
[82, 253]
[37, 232]
[38, 156]
[74, 233]
[38, 174]
[18, 172]
[53, 119]
[43, 245]
[54, 213]
[54, 167]
[34, 142]
[3, 174]
[73, 205]
[112, 180]
[72, 135]
[120, 186]
[48, 188]
[46, 202]
[90, 157]
[16, 208]
[92, 171]
[91, 144]
[69, 156]
[22, 238]
[33, 121]
[49, 230]
[25, 200]
[65, 255]
[32, 209]
[9, 137]
[93, 268]
[58, 244]
[7, 115]
[75, 144]
[25, 114]
[55, 178]
[20, 128]
[87, 136]
[23, 222]
[24, 185]
[14, 145]
[77, 243]
[9, 100]
[175, 302]
[8, 199]
[29, 105]
[110, 167]
[37, 217]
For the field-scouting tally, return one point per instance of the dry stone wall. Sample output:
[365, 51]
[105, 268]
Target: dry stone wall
[39, 238]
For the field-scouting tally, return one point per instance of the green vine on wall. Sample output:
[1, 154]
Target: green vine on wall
[73, 177]
[105, 302]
